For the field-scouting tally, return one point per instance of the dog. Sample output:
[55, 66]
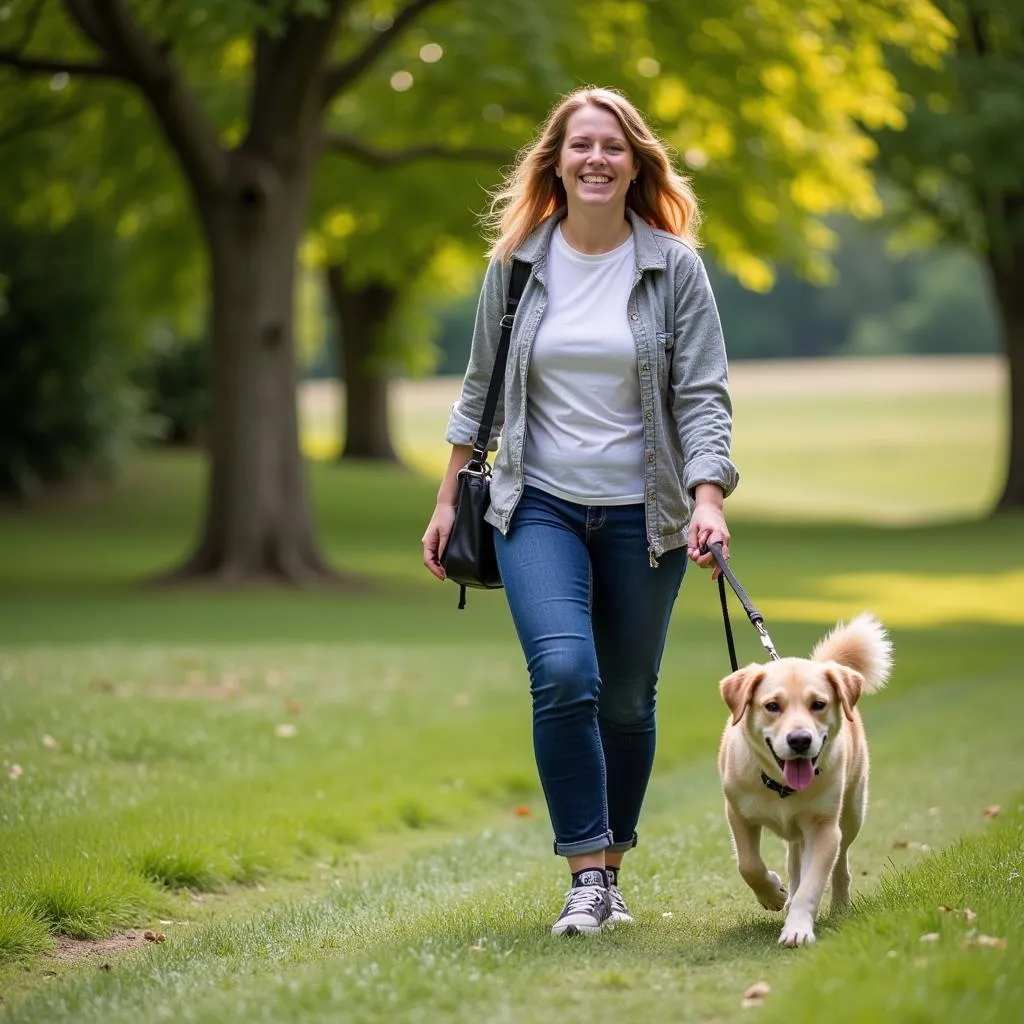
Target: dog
[794, 759]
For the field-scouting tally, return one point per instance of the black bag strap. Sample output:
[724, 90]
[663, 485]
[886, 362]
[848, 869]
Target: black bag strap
[520, 272]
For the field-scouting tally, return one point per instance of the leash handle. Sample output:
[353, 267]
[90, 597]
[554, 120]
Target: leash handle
[756, 618]
[748, 606]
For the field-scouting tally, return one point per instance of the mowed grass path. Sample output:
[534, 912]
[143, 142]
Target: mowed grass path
[327, 802]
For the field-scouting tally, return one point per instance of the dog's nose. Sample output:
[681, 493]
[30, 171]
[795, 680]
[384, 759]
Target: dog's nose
[799, 741]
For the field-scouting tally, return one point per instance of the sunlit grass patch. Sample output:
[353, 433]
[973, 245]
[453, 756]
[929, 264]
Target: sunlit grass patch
[85, 901]
[21, 935]
[913, 599]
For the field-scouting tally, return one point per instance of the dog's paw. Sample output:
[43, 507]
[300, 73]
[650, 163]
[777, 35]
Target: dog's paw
[773, 895]
[797, 931]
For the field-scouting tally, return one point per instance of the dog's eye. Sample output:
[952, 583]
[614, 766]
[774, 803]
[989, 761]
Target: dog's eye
[773, 707]
[818, 705]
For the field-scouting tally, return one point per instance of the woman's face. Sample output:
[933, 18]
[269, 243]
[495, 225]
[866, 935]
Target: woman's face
[596, 163]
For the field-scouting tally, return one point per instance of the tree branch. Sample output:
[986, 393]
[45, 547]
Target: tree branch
[84, 14]
[337, 142]
[53, 66]
[110, 25]
[343, 74]
[287, 70]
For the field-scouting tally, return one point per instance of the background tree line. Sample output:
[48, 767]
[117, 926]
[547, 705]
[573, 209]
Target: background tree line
[222, 145]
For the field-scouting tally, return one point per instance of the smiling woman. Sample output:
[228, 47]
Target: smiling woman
[614, 462]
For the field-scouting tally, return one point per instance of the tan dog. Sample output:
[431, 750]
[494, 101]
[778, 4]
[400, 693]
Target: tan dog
[794, 759]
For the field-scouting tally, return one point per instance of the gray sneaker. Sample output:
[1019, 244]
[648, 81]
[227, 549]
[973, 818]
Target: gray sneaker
[620, 912]
[587, 906]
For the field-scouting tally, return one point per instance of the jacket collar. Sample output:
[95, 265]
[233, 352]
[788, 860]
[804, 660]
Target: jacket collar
[649, 254]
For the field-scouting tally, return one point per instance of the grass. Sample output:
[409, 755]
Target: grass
[328, 801]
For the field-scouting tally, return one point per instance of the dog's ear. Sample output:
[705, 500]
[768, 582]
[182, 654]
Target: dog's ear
[738, 689]
[848, 684]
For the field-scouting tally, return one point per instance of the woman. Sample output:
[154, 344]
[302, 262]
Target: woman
[614, 462]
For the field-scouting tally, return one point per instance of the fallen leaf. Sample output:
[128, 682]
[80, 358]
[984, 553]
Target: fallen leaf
[522, 811]
[755, 995]
[14, 773]
[945, 907]
[285, 730]
[970, 915]
[292, 706]
[900, 844]
[992, 811]
[930, 937]
[50, 743]
[154, 936]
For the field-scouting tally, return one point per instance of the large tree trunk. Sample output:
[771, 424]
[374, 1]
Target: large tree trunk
[362, 314]
[257, 518]
[1009, 289]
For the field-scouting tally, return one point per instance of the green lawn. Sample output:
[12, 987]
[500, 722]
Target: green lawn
[327, 802]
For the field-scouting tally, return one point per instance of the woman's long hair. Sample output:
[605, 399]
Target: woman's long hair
[532, 190]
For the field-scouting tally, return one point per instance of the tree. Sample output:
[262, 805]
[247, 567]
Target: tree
[249, 177]
[959, 166]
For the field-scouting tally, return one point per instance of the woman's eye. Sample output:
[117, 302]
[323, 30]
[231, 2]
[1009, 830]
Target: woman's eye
[772, 706]
[818, 705]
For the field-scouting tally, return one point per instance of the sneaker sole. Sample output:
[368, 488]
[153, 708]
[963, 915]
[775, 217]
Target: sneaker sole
[575, 929]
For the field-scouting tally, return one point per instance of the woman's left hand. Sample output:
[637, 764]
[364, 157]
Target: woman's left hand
[707, 526]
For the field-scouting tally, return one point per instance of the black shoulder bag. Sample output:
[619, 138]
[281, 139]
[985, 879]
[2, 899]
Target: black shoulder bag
[468, 557]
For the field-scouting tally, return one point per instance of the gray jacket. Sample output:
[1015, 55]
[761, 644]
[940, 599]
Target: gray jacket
[682, 367]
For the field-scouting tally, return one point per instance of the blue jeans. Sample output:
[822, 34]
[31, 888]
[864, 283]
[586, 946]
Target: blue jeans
[592, 616]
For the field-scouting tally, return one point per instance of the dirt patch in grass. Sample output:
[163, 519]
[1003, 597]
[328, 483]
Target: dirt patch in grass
[100, 951]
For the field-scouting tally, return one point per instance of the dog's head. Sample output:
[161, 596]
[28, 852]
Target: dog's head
[791, 707]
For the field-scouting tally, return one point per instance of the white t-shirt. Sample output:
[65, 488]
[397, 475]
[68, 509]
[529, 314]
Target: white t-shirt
[584, 426]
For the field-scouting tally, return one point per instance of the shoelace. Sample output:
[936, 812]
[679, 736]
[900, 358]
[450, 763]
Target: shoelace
[583, 897]
[618, 903]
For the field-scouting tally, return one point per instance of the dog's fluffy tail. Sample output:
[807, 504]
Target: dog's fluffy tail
[863, 645]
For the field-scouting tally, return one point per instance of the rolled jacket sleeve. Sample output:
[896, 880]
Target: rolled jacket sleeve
[467, 411]
[699, 381]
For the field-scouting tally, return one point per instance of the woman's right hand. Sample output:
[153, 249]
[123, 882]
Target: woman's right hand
[436, 536]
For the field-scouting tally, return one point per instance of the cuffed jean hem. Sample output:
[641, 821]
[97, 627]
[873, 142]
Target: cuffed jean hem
[622, 847]
[595, 845]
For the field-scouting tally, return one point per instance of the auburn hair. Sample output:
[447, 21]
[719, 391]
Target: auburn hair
[531, 190]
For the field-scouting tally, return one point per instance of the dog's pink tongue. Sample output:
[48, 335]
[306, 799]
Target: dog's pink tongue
[798, 772]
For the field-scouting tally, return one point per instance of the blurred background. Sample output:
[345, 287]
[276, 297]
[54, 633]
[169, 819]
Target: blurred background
[240, 251]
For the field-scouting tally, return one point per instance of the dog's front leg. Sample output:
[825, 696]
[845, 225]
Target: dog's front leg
[820, 850]
[767, 885]
[794, 852]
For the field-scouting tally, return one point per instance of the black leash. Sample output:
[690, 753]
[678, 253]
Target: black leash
[756, 618]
